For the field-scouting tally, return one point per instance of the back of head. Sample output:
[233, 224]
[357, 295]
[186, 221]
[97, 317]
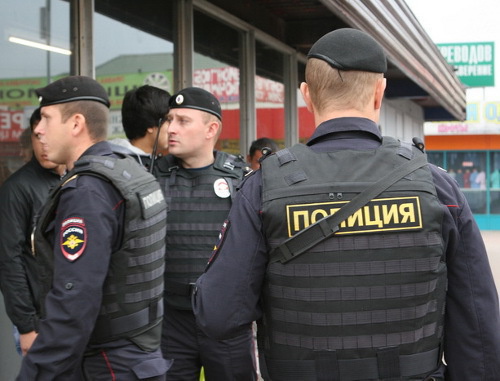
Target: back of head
[342, 68]
[143, 108]
[260, 143]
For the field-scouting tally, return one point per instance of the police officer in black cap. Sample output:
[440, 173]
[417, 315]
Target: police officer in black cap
[100, 247]
[199, 183]
[359, 259]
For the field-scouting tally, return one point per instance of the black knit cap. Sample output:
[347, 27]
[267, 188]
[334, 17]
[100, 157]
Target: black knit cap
[198, 99]
[71, 89]
[350, 49]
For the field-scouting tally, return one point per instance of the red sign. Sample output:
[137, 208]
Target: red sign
[11, 125]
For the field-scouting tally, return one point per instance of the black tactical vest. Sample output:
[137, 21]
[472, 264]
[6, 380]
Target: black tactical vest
[132, 297]
[199, 201]
[368, 302]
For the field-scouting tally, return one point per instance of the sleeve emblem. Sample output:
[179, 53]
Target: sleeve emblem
[73, 238]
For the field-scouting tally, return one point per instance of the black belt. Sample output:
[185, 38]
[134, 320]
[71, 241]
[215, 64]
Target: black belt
[351, 370]
[106, 327]
[178, 288]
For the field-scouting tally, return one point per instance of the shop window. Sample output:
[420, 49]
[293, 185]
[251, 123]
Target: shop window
[132, 47]
[469, 170]
[216, 69]
[28, 31]
[436, 158]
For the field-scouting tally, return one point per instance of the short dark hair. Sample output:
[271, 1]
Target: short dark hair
[261, 143]
[35, 118]
[143, 108]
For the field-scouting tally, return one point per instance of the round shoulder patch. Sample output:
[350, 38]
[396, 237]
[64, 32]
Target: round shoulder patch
[73, 238]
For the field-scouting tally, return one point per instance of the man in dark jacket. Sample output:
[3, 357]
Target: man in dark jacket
[21, 197]
[358, 259]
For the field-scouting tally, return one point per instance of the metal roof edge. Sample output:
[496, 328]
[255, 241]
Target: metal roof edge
[408, 47]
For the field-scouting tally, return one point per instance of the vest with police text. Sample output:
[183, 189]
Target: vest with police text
[132, 304]
[367, 302]
[198, 203]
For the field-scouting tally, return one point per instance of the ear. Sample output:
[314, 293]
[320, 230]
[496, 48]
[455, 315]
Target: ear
[304, 89]
[212, 129]
[379, 93]
[79, 124]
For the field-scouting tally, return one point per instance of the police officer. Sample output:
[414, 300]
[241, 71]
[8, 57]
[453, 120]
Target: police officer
[199, 183]
[99, 244]
[359, 260]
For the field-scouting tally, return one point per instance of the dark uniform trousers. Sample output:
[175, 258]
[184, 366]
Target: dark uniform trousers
[116, 364]
[224, 360]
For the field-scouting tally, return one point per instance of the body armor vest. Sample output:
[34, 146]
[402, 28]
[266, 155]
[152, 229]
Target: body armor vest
[199, 201]
[367, 302]
[132, 297]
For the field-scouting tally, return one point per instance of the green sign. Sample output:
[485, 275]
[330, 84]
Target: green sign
[473, 61]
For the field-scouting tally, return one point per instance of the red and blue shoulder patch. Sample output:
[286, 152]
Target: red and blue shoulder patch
[73, 238]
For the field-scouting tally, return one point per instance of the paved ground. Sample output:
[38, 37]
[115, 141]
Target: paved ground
[492, 242]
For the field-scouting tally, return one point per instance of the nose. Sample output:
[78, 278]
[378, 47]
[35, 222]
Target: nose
[170, 127]
[38, 130]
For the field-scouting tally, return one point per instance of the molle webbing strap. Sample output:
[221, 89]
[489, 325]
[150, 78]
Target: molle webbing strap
[106, 327]
[352, 369]
[326, 227]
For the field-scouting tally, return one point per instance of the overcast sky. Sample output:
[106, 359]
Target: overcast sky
[449, 21]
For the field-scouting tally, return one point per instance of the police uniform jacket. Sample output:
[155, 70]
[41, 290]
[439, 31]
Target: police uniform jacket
[227, 294]
[75, 299]
[21, 197]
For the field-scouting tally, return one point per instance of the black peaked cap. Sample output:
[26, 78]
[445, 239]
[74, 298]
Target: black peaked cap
[198, 99]
[71, 89]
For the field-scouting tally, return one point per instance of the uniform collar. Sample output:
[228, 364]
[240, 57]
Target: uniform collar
[341, 127]
[99, 149]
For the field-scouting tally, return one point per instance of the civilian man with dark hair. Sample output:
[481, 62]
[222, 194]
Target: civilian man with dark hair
[143, 110]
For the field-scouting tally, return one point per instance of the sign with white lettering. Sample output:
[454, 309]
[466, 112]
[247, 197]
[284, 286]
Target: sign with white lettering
[474, 62]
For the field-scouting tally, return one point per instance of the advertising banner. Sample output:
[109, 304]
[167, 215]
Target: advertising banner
[474, 62]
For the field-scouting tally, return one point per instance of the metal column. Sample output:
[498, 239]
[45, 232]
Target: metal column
[183, 44]
[248, 115]
[82, 41]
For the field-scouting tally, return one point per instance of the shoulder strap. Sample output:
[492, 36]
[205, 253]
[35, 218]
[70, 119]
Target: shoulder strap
[327, 226]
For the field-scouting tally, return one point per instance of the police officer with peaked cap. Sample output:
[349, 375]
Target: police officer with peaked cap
[99, 244]
[358, 259]
[199, 183]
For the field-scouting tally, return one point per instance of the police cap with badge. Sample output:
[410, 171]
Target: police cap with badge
[72, 89]
[198, 99]
[350, 49]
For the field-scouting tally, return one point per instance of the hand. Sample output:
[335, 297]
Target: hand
[26, 340]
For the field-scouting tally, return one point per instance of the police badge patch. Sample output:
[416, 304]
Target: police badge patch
[73, 238]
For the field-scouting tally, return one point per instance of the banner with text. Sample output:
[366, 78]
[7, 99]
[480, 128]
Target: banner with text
[474, 62]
